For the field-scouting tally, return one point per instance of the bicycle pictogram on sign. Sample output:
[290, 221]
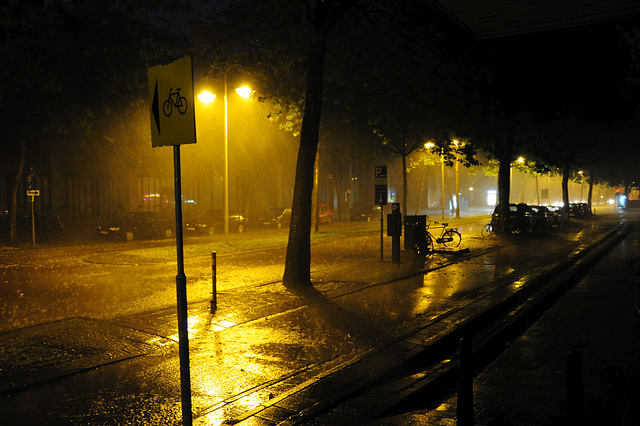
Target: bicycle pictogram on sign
[174, 100]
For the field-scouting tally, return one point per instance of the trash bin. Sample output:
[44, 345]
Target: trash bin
[414, 227]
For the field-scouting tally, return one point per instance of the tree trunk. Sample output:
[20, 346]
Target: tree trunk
[589, 201]
[315, 204]
[565, 184]
[14, 194]
[504, 187]
[297, 270]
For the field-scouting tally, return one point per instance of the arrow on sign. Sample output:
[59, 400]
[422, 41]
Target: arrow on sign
[155, 107]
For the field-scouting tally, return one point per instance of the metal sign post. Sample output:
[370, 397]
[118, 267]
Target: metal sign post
[33, 193]
[173, 123]
[380, 175]
[181, 290]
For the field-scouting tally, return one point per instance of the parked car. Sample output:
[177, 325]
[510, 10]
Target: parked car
[586, 208]
[579, 210]
[632, 204]
[138, 225]
[275, 218]
[211, 222]
[236, 221]
[324, 213]
[543, 218]
[365, 213]
[559, 215]
[520, 218]
[199, 225]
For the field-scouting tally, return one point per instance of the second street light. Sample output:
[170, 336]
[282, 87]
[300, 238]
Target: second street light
[208, 97]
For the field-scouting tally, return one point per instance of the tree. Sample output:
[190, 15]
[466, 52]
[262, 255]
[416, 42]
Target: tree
[323, 16]
[70, 65]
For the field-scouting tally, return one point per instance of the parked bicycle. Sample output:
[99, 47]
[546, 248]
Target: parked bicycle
[449, 237]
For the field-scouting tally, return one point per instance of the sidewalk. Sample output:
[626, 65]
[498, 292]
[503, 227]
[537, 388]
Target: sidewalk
[270, 355]
[527, 384]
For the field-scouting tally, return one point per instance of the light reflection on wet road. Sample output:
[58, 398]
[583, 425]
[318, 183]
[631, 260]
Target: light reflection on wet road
[258, 334]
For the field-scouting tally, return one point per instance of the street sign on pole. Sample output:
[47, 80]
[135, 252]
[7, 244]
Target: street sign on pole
[380, 181]
[173, 119]
[33, 193]
[173, 123]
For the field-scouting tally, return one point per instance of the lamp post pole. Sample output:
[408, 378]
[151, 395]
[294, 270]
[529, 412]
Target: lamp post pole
[457, 170]
[442, 184]
[208, 97]
[226, 159]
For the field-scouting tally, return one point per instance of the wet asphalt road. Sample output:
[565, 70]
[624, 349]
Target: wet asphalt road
[108, 281]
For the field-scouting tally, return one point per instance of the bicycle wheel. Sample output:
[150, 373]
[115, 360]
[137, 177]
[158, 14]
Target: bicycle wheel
[167, 108]
[487, 231]
[423, 247]
[182, 105]
[451, 238]
[429, 245]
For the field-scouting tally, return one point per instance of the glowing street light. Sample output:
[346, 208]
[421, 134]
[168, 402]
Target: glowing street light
[244, 92]
[208, 97]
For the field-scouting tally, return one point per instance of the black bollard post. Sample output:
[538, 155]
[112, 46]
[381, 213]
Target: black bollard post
[214, 279]
[575, 391]
[465, 384]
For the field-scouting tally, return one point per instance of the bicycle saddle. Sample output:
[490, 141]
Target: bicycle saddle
[445, 224]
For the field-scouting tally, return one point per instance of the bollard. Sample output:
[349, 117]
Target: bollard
[575, 391]
[214, 301]
[465, 384]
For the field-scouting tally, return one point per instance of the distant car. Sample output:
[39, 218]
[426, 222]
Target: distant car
[138, 225]
[324, 213]
[365, 213]
[579, 210]
[559, 215]
[586, 209]
[520, 218]
[633, 204]
[200, 225]
[276, 218]
[212, 222]
[543, 218]
[236, 221]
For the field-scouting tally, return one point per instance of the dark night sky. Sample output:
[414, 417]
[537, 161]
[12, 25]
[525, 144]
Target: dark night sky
[581, 69]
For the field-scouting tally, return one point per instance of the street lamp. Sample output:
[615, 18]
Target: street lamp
[208, 97]
[521, 161]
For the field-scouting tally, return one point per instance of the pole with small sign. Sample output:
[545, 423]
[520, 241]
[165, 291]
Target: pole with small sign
[173, 124]
[380, 180]
[33, 193]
